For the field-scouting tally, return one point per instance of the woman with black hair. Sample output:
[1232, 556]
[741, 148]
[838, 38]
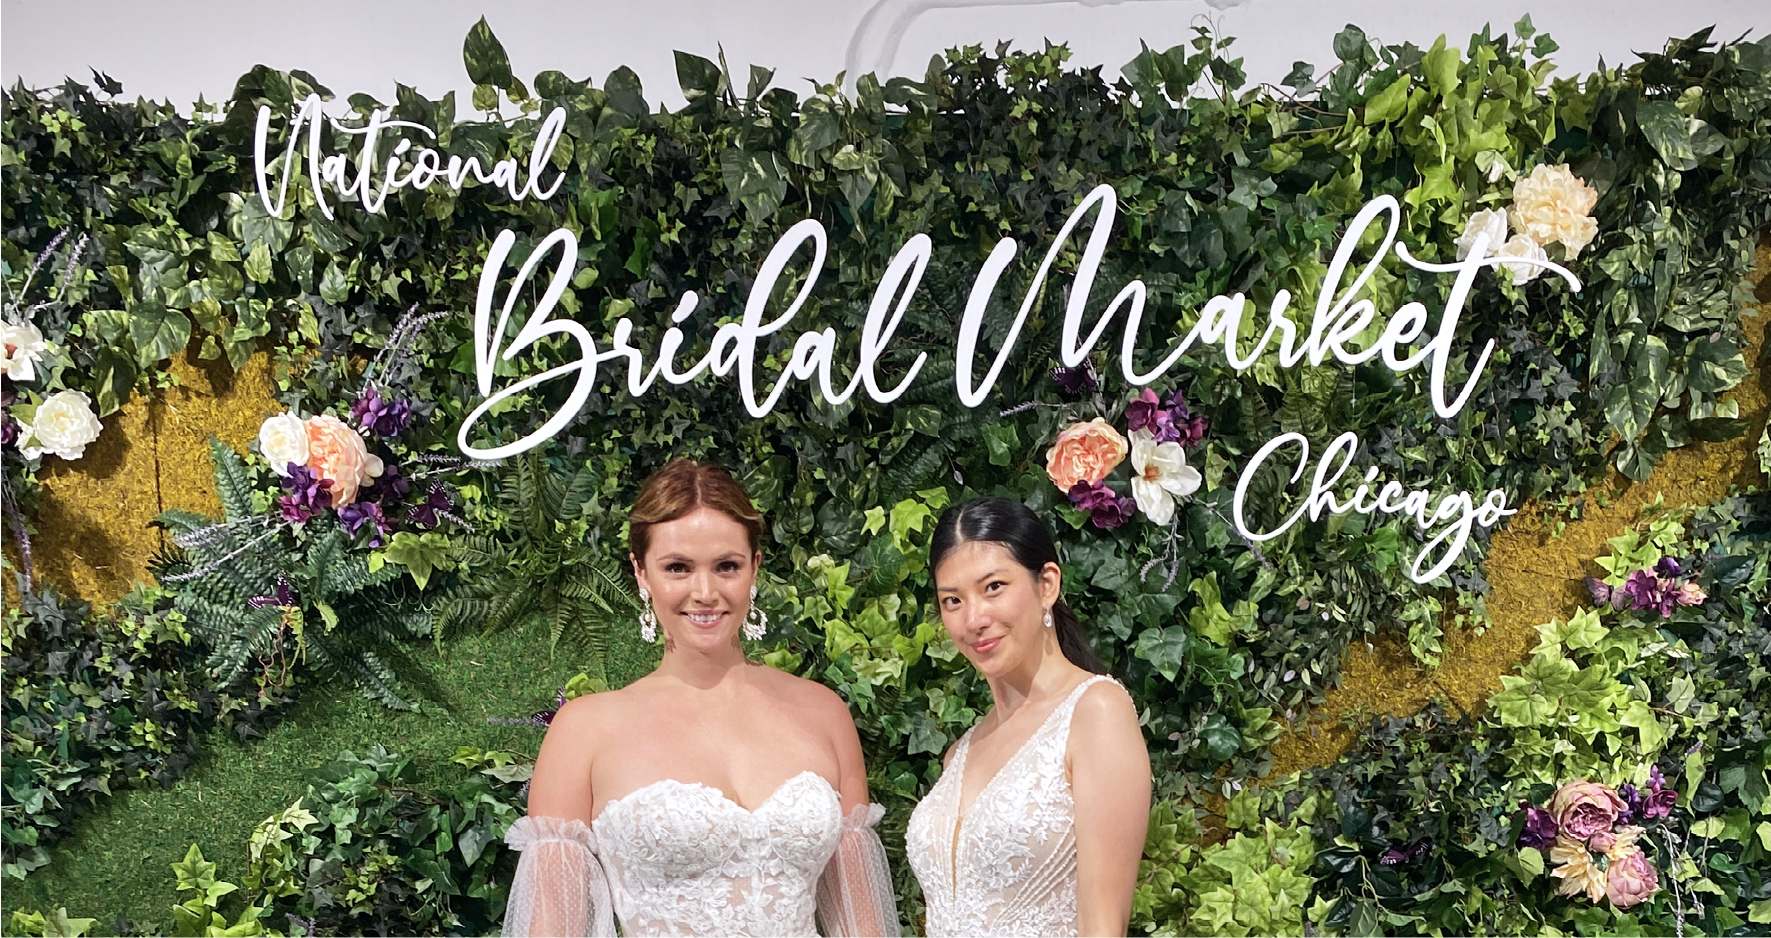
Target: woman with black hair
[1037, 823]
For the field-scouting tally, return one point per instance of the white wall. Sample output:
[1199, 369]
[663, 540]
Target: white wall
[179, 50]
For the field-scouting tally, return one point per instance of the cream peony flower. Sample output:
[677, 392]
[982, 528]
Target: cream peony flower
[282, 438]
[63, 426]
[1525, 249]
[1552, 205]
[1160, 475]
[1493, 222]
[1576, 870]
[23, 347]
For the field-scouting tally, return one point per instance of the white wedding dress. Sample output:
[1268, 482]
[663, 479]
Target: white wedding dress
[675, 858]
[1008, 865]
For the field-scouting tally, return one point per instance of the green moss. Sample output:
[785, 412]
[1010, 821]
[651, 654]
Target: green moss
[119, 859]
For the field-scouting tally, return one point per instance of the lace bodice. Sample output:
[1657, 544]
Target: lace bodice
[1008, 866]
[679, 858]
[683, 859]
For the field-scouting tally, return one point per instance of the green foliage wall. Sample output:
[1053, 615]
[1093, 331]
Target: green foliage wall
[1223, 187]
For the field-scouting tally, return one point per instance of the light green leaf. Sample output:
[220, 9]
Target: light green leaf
[1531, 861]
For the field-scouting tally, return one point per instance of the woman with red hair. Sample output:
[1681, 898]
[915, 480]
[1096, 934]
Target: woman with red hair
[715, 795]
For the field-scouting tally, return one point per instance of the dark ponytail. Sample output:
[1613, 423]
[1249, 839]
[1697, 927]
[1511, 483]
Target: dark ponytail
[1019, 531]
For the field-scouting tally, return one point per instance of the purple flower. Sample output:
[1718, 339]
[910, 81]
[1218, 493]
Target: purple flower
[1540, 828]
[1076, 380]
[1106, 508]
[1659, 800]
[378, 416]
[437, 503]
[307, 496]
[1668, 567]
[1188, 429]
[388, 488]
[1143, 411]
[1647, 591]
[282, 595]
[1605, 595]
[1632, 800]
[8, 430]
[356, 515]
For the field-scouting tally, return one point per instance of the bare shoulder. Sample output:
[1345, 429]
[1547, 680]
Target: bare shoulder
[1104, 707]
[818, 702]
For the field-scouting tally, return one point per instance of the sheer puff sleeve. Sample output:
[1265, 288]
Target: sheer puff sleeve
[559, 887]
[855, 892]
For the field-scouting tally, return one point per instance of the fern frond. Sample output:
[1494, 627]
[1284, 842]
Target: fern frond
[233, 482]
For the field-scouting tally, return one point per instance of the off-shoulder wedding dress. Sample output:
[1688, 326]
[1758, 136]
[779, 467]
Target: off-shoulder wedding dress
[1007, 865]
[675, 858]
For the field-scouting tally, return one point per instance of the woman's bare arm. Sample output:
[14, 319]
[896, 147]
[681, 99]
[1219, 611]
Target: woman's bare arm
[1110, 778]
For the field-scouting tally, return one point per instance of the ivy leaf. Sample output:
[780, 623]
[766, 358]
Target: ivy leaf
[1350, 44]
[1641, 716]
[487, 63]
[1164, 648]
[1002, 442]
[1441, 65]
[1531, 862]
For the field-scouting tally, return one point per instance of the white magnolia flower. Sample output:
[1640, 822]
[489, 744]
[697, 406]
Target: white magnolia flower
[283, 440]
[1521, 246]
[24, 348]
[1491, 221]
[1160, 475]
[63, 426]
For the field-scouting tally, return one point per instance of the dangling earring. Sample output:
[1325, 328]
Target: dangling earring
[757, 620]
[1048, 617]
[648, 619]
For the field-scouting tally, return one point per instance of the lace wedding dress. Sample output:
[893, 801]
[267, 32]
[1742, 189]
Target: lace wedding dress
[1007, 866]
[675, 858]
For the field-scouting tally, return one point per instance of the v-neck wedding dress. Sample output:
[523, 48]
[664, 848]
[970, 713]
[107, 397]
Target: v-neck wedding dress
[1007, 865]
[679, 858]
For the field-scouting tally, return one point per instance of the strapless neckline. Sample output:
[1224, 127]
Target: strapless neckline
[716, 792]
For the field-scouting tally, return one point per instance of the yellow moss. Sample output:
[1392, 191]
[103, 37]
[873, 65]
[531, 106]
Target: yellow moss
[93, 535]
[1537, 575]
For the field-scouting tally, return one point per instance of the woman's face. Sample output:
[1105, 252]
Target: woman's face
[699, 570]
[995, 608]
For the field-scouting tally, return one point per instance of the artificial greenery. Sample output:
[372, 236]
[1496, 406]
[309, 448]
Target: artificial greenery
[96, 703]
[1222, 188]
[263, 607]
[1423, 833]
[546, 565]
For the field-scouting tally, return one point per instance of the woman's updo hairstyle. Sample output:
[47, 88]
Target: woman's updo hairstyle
[1018, 530]
[679, 488]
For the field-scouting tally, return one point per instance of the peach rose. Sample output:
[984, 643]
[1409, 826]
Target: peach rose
[1554, 205]
[1631, 879]
[337, 454]
[1085, 452]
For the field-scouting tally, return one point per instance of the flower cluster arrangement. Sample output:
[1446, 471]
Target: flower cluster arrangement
[1590, 833]
[1551, 206]
[1158, 432]
[1662, 589]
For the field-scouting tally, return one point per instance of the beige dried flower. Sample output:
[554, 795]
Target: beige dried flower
[1576, 870]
